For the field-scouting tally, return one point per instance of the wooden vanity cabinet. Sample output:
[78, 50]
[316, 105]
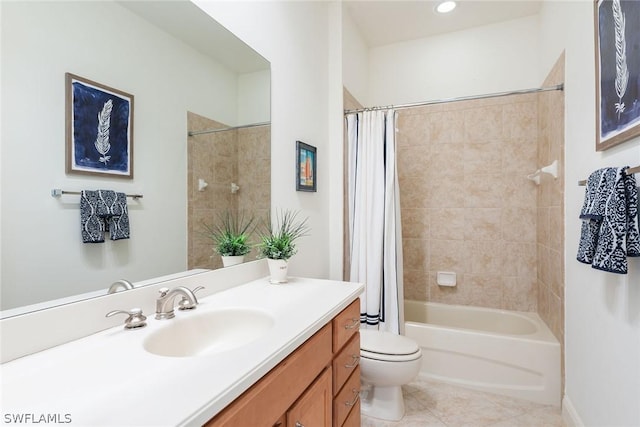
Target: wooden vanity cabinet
[346, 367]
[315, 386]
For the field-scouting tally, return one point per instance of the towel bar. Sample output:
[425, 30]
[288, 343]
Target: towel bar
[56, 192]
[629, 171]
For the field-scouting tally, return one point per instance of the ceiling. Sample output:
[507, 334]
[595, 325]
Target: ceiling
[187, 22]
[392, 21]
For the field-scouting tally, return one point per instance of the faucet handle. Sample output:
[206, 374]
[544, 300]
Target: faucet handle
[185, 304]
[135, 320]
[163, 292]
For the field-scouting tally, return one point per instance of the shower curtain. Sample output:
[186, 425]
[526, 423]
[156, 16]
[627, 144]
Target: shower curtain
[374, 218]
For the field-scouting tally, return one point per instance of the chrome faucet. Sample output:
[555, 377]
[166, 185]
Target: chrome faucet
[166, 301]
[115, 286]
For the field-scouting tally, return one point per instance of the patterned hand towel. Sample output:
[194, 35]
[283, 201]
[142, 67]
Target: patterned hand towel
[609, 228]
[92, 226]
[107, 204]
[119, 223]
[633, 228]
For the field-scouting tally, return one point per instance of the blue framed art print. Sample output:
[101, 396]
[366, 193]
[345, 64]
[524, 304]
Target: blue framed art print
[99, 129]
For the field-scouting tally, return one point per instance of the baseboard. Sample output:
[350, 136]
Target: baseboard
[569, 414]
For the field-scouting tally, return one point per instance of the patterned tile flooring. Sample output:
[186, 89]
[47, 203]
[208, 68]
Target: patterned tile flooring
[430, 403]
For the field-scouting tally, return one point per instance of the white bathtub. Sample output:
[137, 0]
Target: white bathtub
[505, 352]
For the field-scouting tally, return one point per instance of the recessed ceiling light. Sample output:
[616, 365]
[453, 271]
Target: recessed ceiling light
[446, 6]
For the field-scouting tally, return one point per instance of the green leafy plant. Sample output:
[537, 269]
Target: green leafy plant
[279, 241]
[230, 234]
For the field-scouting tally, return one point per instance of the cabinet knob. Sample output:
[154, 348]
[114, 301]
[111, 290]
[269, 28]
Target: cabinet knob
[354, 362]
[355, 323]
[299, 424]
[355, 398]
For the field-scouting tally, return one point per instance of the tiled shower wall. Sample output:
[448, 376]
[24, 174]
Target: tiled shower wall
[237, 156]
[467, 206]
[550, 195]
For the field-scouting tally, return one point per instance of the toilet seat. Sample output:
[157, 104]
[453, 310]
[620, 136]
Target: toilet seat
[388, 347]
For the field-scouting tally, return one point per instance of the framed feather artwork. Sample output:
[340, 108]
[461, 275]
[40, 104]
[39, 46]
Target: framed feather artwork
[617, 58]
[99, 129]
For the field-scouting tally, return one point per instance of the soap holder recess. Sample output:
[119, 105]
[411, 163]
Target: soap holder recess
[446, 278]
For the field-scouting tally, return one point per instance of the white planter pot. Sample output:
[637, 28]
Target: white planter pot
[228, 261]
[278, 270]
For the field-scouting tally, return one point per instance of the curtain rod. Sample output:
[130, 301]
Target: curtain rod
[205, 131]
[462, 98]
[629, 171]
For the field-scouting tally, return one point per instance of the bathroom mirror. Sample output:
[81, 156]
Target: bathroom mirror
[176, 61]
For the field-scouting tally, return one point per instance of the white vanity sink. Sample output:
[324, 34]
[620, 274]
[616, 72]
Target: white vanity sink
[202, 334]
[235, 336]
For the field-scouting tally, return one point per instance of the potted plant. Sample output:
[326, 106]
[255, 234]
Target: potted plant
[230, 237]
[278, 242]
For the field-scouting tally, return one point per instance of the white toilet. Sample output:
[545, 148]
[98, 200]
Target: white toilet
[387, 361]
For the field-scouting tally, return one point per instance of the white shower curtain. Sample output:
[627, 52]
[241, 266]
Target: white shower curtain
[374, 218]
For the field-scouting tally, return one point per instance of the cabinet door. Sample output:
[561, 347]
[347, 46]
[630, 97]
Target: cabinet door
[313, 409]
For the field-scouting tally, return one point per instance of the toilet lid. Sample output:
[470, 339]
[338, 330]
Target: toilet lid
[386, 343]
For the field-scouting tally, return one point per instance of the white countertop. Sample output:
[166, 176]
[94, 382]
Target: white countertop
[109, 378]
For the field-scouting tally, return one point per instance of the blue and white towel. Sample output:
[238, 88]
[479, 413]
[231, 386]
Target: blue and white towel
[610, 221]
[119, 220]
[92, 225]
[107, 204]
[103, 211]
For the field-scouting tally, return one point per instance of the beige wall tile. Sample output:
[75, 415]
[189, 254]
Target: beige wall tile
[447, 255]
[484, 191]
[483, 124]
[481, 159]
[520, 259]
[520, 293]
[413, 162]
[415, 254]
[519, 224]
[483, 224]
[520, 119]
[484, 257]
[414, 193]
[445, 127]
[416, 284]
[415, 223]
[446, 223]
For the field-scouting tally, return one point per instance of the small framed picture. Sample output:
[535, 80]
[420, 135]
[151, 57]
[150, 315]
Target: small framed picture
[306, 178]
[99, 129]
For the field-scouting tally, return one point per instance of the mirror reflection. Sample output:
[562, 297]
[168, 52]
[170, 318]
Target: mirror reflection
[187, 73]
[229, 171]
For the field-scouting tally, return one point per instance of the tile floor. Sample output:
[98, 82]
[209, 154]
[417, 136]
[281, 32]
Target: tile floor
[430, 403]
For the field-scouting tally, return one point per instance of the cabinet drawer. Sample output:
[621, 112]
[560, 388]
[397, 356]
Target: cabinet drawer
[345, 325]
[345, 362]
[347, 398]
